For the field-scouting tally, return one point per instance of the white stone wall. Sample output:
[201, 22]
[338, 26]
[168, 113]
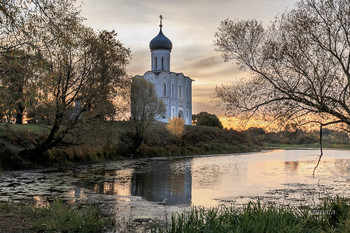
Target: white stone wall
[160, 60]
[176, 92]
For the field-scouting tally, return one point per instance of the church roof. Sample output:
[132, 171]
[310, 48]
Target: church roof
[160, 42]
[157, 73]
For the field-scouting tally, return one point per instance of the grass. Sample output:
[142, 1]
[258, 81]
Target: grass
[33, 128]
[57, 217]
[332, 216]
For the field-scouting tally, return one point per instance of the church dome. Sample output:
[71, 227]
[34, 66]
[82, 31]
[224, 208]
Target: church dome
[160, 42]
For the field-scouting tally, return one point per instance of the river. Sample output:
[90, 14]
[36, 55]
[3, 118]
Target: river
[134, 189]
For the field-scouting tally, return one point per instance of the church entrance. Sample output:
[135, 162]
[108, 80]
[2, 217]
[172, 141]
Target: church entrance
[181, 114]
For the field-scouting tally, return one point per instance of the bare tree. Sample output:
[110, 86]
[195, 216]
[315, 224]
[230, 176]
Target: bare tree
[299, 66]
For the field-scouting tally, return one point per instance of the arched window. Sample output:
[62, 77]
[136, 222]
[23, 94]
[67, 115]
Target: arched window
[180, 91]
[181, 114]
[162, 63]
[164, 89]
[155, 63]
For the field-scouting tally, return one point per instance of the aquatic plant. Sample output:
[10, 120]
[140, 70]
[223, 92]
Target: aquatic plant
[332, 216]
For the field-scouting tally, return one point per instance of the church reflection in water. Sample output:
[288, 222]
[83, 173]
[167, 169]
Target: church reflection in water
[165, 182]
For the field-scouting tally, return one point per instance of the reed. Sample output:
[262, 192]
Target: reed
[332, 216]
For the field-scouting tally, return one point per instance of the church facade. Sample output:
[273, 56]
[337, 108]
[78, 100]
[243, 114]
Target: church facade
[175, 89]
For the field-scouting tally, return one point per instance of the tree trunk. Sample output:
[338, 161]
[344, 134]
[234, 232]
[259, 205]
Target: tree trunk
[19, 116]
[51, 141]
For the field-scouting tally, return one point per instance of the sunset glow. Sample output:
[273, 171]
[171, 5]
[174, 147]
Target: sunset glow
[191, 26]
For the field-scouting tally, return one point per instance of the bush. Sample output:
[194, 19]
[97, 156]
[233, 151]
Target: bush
[176, 127]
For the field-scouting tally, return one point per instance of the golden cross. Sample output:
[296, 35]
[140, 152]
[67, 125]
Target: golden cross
[161, 19]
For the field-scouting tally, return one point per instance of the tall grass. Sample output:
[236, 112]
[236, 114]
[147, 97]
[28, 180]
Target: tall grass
[332, 216]
[59, 217]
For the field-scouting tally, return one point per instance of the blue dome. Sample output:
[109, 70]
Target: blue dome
[160, 42]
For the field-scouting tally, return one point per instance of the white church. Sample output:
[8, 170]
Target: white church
[175, 89]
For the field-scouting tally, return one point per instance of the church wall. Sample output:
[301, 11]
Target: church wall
[174, 103]
[156, 60]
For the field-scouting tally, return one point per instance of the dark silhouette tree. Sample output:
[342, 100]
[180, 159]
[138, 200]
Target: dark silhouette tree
[206, 119]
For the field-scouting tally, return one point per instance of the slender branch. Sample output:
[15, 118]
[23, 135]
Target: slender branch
[319, 158]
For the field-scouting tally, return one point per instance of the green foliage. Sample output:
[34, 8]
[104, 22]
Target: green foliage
[206, 119]
[332, 216]
[59, 217]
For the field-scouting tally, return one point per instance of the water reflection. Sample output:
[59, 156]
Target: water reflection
[165, 182]
[117, 183]
[277, 176]
[291, 166]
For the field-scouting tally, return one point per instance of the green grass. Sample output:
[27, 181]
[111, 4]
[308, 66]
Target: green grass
[34, 128]
[57, 217]
[332, 216]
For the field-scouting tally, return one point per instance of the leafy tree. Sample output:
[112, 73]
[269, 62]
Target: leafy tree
[299, 66]
[18, 84]
[145, 108]
[176, 127]
[83, 70]
[206, 119]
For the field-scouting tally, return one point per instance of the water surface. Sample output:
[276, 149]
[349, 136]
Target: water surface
[283, 176]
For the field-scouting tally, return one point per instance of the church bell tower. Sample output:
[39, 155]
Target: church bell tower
[160, 47]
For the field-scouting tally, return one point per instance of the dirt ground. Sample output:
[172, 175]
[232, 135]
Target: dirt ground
[14, 222]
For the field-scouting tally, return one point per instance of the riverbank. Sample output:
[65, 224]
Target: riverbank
[112, 142]
[140, 192]
[55, 217]
[332, 216]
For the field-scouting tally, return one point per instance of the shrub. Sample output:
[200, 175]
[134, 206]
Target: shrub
[176, 127]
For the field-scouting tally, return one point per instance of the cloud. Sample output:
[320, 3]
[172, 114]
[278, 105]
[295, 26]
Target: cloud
[204, 63]
[190, 25]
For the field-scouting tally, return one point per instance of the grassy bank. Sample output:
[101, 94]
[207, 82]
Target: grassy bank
[332, 216]
[57, 217]
[113, 142]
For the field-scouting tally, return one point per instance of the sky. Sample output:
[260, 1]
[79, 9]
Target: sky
[190, 25]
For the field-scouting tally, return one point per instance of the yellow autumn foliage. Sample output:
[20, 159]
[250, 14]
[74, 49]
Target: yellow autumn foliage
[176, 127]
